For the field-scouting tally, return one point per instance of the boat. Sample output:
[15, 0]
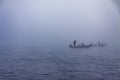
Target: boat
[100, 45]
[80, 46]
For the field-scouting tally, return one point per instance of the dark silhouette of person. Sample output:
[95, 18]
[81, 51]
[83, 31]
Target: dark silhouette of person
[74, 42]
[98, 42]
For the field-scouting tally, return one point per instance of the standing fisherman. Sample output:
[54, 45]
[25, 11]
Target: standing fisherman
[74, 42]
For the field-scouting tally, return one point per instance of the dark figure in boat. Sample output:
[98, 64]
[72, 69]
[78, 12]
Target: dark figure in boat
[100, 44]
[82, 45]
[74, 42]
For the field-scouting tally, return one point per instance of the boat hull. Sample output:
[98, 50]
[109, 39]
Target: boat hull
[78, 46]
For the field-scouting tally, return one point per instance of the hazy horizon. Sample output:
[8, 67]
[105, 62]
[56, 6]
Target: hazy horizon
[59, 22]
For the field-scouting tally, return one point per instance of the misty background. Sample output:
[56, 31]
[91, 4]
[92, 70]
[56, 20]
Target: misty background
[59, 22]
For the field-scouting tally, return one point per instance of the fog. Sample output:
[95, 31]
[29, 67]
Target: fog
[118, 3]
[58, 22]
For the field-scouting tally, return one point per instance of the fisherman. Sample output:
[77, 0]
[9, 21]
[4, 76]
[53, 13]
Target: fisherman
[74, 42]
[98, 42]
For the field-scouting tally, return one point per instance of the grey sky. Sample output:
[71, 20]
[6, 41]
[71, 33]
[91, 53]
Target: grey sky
[58, 21]
[1, 2]
[118, 3]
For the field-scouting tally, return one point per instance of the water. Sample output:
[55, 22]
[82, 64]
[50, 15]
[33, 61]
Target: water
[35, 63]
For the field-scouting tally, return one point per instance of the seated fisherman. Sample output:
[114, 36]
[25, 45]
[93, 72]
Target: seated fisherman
[74, 42]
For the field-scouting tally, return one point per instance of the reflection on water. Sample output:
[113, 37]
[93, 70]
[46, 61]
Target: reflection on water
[59, 64]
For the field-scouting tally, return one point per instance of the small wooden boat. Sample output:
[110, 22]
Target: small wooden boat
[80, 46]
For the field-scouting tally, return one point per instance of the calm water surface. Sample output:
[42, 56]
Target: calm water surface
[35, 63]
